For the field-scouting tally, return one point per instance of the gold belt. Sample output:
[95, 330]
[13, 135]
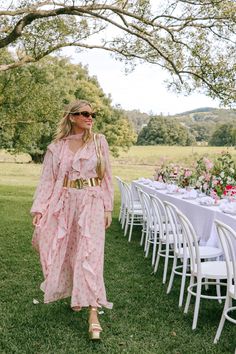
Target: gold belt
[81, 182]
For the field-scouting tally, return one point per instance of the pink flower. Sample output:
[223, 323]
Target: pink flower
[214, 182]
[207, 177]
[187, 173]
[208, 163]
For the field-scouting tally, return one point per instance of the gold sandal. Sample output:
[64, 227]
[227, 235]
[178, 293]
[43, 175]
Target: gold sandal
[94, 328]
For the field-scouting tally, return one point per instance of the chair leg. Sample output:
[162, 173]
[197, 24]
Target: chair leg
[222, 320]
[131, 227]
[197, 304]
[146, 236]
[154, 250]
[184, 271]
[142, 236]
[147, 249]
[158, 257]
[172, 275]
[124, 217]
[189, 296]
[127, 223]
[166, 263]
[218, 292]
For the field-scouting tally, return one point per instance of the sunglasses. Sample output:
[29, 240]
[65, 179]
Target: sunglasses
[84, 114]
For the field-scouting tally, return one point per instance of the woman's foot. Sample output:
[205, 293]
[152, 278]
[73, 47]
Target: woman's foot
[76, 308]
[94, 325]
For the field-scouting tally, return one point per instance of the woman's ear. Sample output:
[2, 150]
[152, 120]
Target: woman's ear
[71, 119]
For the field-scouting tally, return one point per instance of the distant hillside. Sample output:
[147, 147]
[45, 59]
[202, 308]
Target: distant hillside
[201, 122]
[201, 109]
[214, 115]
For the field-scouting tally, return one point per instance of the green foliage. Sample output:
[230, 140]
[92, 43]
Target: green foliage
[164, 131]
[224, 135]
[32, 100]
[194, 41]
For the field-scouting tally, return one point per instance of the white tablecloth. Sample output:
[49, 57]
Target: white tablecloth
[201, 217]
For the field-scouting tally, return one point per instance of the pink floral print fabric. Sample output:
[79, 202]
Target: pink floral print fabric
[71, 234]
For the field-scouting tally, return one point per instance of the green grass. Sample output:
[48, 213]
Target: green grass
[150, 155]
[144, 318]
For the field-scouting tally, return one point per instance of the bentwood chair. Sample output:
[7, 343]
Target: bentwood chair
[227, 238]
[181, 260]
[134, 214]
[213, 270]
[163, 238]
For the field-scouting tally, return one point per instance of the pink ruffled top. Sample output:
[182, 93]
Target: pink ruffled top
[60, 161]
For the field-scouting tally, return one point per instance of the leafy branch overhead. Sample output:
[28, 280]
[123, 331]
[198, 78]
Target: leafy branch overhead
[193, 40]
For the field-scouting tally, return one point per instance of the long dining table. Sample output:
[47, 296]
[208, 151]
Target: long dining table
[202, 217]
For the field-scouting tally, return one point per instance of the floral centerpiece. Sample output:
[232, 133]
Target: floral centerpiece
[223, 179]
[216, 178]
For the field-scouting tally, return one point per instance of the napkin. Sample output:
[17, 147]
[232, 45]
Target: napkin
[159, 185]
[190, 194]
[228, 208]
[208, 201]
[172, 188]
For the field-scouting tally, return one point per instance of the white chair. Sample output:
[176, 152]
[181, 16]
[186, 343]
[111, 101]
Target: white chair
[227, 238]
[145, 216]
[213, 270]
[134, 213]
[162, 235]
[181, 251]
[148, 220]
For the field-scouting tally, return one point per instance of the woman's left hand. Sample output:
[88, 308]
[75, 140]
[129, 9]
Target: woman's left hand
[108, 219]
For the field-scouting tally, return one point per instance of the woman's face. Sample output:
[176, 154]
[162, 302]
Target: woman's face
[82, 119]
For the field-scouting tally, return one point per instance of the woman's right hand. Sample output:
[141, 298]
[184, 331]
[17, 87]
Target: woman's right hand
[36, 219]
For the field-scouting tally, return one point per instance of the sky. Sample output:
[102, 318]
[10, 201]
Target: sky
[142, 89]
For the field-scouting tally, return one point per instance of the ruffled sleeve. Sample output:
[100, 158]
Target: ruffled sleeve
[107, 185]
[45, 187]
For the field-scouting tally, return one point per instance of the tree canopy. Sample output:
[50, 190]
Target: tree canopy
[32, 100]
[193, 40]
[224, 135]
[164, 131]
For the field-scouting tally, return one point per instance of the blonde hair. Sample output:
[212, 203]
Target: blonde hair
[64, 126]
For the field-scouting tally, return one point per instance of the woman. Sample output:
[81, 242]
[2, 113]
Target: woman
[71, 210]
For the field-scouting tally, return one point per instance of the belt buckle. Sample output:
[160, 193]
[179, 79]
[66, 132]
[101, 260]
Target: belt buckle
[85, 183]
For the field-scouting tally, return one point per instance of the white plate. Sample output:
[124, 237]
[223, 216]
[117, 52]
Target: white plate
[189, 198]
[229, 212]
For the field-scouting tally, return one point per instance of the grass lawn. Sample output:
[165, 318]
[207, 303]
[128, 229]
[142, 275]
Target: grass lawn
[144, 319]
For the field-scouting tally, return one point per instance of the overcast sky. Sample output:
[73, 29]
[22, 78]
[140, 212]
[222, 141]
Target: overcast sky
[142, 89]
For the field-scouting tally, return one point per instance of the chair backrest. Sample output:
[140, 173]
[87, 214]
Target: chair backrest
[175, 228]
[145, 201]
[227, 238]
[140, 196]
[127, 195]
[159, 216]
[120, 186]
[190, 237]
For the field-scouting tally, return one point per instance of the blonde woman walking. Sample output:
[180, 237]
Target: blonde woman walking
[72, 208]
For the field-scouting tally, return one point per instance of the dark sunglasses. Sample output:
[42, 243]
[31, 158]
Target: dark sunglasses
[84, 114]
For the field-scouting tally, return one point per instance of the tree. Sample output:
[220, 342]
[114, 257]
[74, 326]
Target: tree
[164, 131]
[32, 100]
[201, 132]
[194, 40]
[224, 135]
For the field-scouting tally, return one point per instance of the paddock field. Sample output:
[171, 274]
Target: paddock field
[144, 318]
[139, 161]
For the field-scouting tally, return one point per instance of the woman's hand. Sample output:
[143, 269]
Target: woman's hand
[36, 219]
[108, 219]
